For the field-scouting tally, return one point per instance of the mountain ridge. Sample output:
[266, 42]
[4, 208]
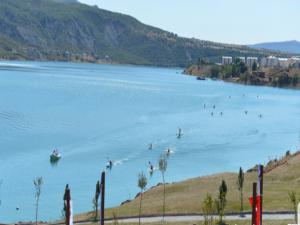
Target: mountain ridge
[49, 30]
[291, 46]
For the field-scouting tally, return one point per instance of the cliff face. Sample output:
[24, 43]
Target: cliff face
[50, 29]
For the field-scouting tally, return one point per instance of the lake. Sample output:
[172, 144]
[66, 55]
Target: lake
[93, 113]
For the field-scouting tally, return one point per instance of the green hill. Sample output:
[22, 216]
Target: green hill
[66, 30]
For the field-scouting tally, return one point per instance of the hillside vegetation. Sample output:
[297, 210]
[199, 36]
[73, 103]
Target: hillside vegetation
[66, 30]
[239, 73]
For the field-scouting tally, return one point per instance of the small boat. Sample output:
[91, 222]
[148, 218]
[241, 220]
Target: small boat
[201, 78]
[55, 156]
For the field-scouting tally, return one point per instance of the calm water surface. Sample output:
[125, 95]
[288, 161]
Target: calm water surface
[94, 112]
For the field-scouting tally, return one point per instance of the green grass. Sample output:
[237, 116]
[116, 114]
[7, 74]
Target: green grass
[186, 197]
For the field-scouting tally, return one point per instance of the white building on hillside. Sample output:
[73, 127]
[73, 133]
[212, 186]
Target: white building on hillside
[226, 60]
[295, 62]
[272, 61]
[284, 62]
[250, 61]
[242, 59]
[263, 62]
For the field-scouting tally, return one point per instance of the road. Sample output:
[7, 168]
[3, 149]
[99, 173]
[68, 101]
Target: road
[185, 218]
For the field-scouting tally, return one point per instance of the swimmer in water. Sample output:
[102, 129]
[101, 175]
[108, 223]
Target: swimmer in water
[179, 133]
[168, 152]
[109, 164]
[150, 168]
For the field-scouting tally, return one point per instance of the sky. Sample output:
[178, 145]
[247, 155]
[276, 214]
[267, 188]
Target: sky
[227, 21]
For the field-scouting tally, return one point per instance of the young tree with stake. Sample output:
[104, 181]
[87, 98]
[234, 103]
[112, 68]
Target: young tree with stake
[142, 183]
[293, 199]
[240, 183]
[220, 203]
[38, 182]
[96, 199]
[163, 164]
[208, 209]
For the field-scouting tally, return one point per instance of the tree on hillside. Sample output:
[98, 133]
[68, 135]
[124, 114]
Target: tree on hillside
[214, 71]
[220, 202]
[295, 80]
[199, 63]
[240, 183]
[142, 183]
[293, 199]
[208, 209]
[96, 200]
[38, 182]
[243, 67]
[254, 66]
[163, 164]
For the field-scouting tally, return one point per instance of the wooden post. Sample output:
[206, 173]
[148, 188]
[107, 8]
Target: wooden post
[254, 204]
[67, 199]
[260, 183]
[102, 198]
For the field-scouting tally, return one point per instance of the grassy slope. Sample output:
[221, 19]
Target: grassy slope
[186, 197]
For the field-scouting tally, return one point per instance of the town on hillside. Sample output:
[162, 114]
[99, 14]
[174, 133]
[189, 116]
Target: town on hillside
[269, 71]
[265, 62]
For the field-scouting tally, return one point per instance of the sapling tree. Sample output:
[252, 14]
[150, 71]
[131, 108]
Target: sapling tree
[163, 164]
[96, 200]
[220, 202]
[293, 199]
[208, 209]
[38, 182]
[240, 183]
[142, 183]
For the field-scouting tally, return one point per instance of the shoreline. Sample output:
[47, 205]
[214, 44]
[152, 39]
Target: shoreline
[268, 77]
[94, 63]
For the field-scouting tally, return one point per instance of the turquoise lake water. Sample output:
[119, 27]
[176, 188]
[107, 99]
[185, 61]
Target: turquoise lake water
[94, 112]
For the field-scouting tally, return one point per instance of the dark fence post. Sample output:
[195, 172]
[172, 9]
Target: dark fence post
[260, 185]
[67, 198]
[102, 198]
[254, 204]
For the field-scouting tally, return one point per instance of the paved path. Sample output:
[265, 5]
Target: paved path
[201, 218]
[186, 218]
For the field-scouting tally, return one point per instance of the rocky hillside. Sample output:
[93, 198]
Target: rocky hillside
[54, 30]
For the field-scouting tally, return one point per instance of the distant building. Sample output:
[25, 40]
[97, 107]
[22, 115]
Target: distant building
[242, 59]
[284, 62]
[272, 61]
[295, 62]
[250, 61]
[226, 60]
[263, 62]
